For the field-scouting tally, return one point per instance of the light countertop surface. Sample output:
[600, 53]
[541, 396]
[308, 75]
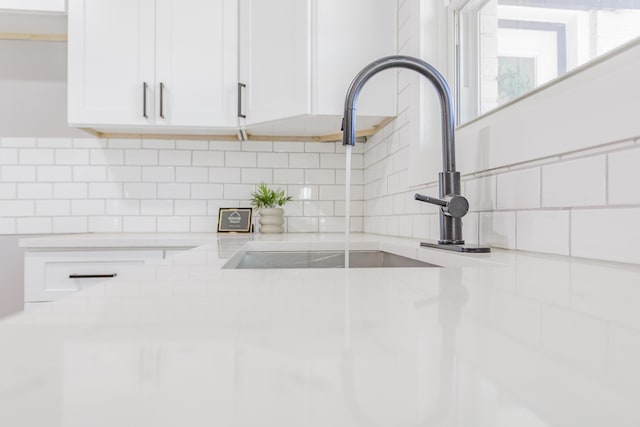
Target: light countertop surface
[506, 339]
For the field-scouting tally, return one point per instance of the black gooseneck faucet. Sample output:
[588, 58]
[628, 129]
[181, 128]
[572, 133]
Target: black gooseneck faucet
[453, 206]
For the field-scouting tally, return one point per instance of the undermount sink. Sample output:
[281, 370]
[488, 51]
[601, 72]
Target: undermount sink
[321, 259]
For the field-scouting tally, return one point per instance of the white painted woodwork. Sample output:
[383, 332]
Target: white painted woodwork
[115, 46]
[196, 60]
[42, 6]
[110, 56]
[299, 57]
[46, 276]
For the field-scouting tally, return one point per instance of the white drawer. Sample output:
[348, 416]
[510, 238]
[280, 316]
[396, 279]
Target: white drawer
[51, 275]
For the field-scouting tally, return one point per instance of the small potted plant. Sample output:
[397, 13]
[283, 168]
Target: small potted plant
[268, 202]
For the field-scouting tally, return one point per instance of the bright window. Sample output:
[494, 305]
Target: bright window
[508, 47]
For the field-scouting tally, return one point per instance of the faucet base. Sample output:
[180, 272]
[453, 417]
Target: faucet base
[457, 248]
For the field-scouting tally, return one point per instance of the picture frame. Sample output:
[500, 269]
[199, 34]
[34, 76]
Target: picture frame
[235, 220]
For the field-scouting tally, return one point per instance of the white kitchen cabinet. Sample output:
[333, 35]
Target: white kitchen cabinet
[36, 6]
[298, 57]
[50, 275]
[152, 65]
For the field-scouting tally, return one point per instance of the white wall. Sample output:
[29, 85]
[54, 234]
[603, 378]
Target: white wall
[11, 276]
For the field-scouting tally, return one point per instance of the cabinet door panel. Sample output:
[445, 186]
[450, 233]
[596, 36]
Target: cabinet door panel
[196, 48]
[110, 57]
[275, 58]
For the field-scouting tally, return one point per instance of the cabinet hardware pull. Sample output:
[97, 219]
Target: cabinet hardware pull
[92, 276]
[161, 100]
[144, 100]
[240, 87]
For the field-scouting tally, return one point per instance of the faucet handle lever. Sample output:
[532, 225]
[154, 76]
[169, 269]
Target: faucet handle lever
[455, 206]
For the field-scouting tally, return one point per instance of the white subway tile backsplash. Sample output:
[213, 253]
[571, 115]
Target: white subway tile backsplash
[203, 224]
[106, 190]
[609, 234]
[53, 207]
[240, 159]
[174, 158]
[174, 191]
[156, 207]
[519, 190]
[105, 224]
[158, 174]
[624, 174]
[303, 192]
[192, 145]
[257, 146]
[74, 156]
[191, 174]
[327, 224]
[481, 193]
[319, 176]
[7, 226]
[72, 191]
[470, 228]
[18, 173]
[334, 161]
[17, 142]
[302, 225]
[580, 182]
[207, 191]
[123, 207]
[273, 160]
[88, 207]
[256, 176]
[73, 224]
[160, 144]
[208, 158]
[357, 208]
[89, 173]
[16, 208]
[288, 176]
[8, 191]
[34, 225]
[35, 191]
[304, 160]
[191, 207]
[173, 224]
[225, 145]
[498, 229]
[357, 176]
[224, 175]
[54, 173]
[124, 143]
[141, 190]
[89, 143]
[141, 157]
[139, 224]
[237, 191]
[543, 231]
[36, 156]
[319, 147]
[107, 157]
[8, 156]
[318, 208]
[288, 147]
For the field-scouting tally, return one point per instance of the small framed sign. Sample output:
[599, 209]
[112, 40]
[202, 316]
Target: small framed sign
[234, 220]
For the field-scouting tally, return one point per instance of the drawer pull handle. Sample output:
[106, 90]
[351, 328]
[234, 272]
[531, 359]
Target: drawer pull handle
[92, 276]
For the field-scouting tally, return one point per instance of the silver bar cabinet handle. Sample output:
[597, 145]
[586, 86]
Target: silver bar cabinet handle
[144, 100]
[161, 100]
[92, 276]
[240, 87]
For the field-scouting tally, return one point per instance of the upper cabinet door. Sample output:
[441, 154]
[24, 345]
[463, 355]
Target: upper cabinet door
[111, 62]
[275, 59]
[196, 63]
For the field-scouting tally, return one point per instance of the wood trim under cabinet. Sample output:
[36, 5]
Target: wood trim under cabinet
[333, 137]
[34, 37]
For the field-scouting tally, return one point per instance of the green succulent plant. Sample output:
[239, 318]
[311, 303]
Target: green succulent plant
[264, 197]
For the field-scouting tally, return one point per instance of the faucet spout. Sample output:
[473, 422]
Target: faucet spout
[452, 205]
[428, 71]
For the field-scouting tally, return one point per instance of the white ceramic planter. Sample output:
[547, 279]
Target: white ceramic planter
[271, 220]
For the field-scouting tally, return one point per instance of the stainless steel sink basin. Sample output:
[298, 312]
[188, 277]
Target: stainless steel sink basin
[322, 259]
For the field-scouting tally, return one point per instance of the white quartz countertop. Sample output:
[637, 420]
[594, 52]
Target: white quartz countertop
[508, 339]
